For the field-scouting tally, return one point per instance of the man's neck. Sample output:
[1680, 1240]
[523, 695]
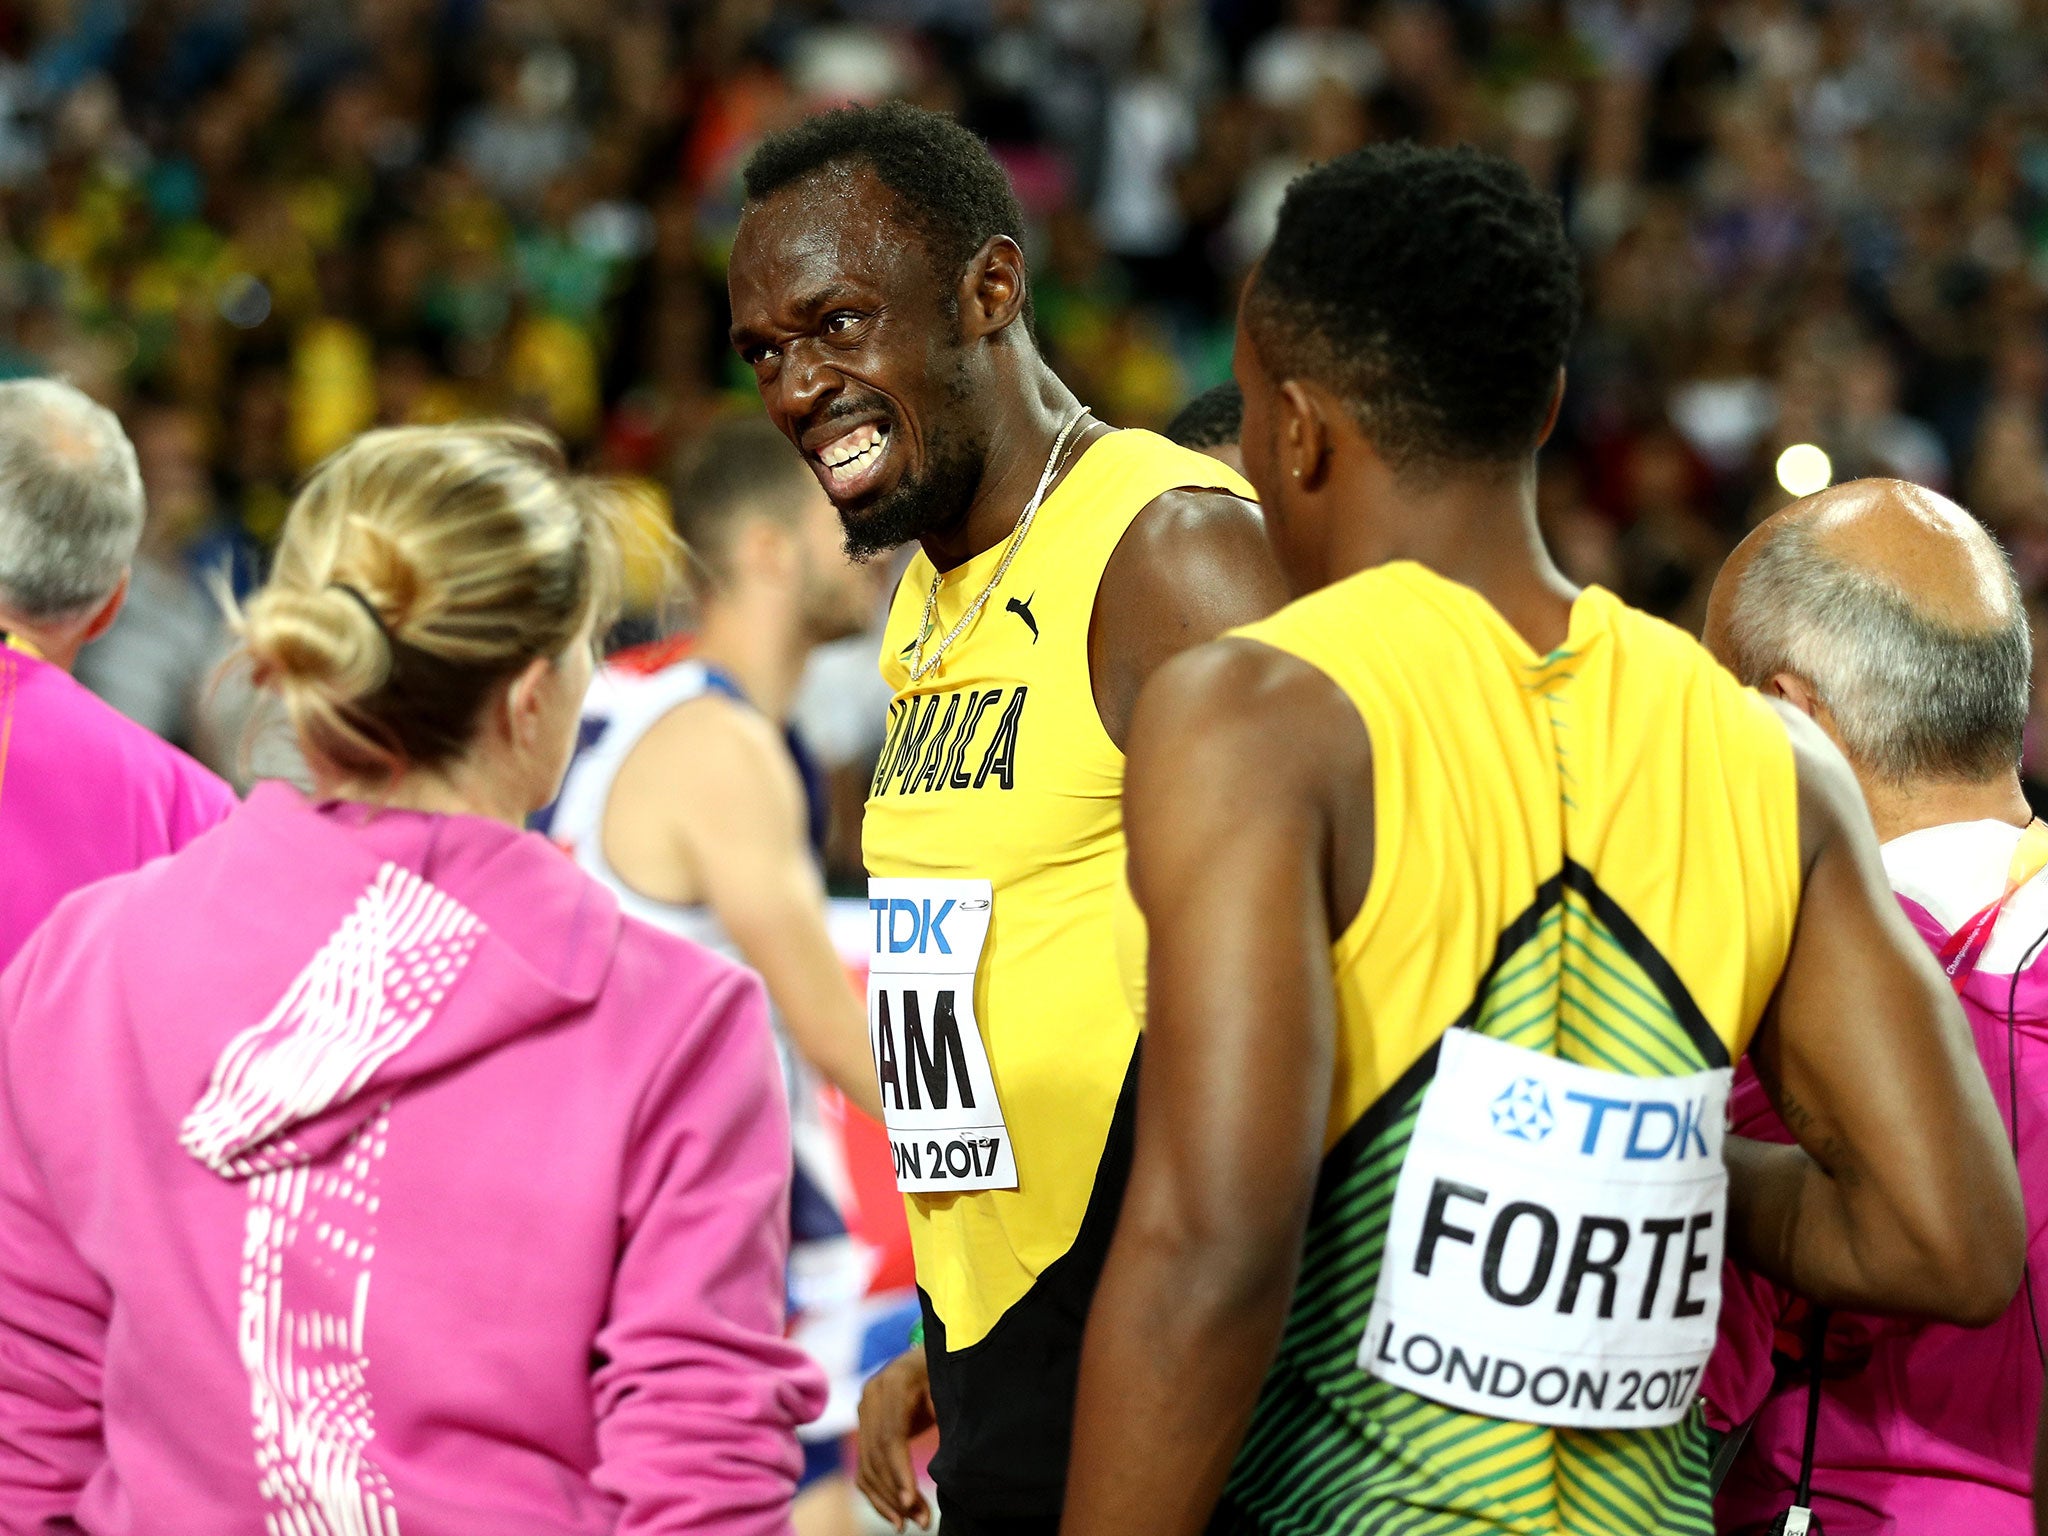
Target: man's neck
[1896, 809]
[58, 647]
[760, 643]
[1028, 413]
[1475, 529]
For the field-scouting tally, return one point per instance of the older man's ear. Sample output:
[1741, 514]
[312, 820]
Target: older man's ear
[1796, 691]
[1799, 693]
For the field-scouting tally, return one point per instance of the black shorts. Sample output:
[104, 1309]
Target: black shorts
[954, 1521]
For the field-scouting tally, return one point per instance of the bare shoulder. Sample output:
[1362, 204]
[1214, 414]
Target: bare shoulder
[713, 742]
[1238, 678]
[1238, 746]
[1189, 540]
[1193, 565]
[1237, 705]
[1191, 513]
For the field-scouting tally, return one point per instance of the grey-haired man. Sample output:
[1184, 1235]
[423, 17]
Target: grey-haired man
[1886, 613]
[84, 791]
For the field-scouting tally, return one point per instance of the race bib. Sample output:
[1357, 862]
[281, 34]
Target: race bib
[945, 1126]
[1554, 1252]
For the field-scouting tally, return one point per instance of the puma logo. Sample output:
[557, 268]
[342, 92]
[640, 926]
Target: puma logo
[1021, 606]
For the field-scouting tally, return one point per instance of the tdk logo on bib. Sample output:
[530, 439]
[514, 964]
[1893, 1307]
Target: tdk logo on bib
[1604, 1124]
[946, 1127]
[1554, 1251]
[905, 927]
[1644, 1129]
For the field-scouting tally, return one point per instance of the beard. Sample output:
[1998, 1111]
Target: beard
[930, 501]
[934, 499]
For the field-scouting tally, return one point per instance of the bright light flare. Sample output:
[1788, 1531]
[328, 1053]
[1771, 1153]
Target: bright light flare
[1804, 469]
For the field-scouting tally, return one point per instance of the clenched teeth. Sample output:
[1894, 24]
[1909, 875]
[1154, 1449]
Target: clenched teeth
[855, 449]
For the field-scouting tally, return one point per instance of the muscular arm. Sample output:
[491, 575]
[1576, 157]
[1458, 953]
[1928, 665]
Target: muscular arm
[1233, 848]
[711, 796]
[1192, 565]
[1901, 1195]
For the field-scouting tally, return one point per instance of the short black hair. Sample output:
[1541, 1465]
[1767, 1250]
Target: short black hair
[951, 188]
[742, 467]
[1435, 289]
[1213, 419]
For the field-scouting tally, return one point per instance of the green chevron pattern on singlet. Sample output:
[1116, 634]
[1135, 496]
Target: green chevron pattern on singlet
[1333, 1451]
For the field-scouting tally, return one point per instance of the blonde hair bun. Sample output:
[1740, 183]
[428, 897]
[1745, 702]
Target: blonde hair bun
[418, 569]
[326, 640]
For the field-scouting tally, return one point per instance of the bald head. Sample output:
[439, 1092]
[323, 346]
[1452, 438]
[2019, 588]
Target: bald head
[1895, 610]
[1928, 550]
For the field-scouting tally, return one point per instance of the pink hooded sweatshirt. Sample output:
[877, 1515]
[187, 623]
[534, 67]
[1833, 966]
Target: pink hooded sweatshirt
[1923, 1427]
[366, 1174]
[85, 793]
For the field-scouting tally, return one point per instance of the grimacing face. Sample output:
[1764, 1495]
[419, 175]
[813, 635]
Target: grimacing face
[857, 355]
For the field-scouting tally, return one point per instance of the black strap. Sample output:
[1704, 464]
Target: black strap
[1816, 1354]
[1731, 1445]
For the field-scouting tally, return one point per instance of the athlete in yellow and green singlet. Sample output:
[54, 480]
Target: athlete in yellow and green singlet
[1464, 887]
[879, 294]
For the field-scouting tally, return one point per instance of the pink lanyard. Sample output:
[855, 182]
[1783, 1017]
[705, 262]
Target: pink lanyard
[1965, 947]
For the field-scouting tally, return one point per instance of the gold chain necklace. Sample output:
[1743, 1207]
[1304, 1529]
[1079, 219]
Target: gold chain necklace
[922, 665]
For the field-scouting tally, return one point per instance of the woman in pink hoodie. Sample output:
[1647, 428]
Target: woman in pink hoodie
[362, 1170]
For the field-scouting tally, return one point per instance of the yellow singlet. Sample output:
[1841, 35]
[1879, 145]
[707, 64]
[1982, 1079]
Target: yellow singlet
[998, 768]
[1592, 855]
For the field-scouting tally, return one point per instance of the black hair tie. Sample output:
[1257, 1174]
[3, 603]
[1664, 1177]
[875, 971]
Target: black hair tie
[368, 607]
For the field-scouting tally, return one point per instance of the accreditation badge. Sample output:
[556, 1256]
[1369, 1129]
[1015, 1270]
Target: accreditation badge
[945, 1123]
[1554, 1250]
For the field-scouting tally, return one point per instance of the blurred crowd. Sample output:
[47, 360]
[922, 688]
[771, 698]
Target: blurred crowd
[255, 227]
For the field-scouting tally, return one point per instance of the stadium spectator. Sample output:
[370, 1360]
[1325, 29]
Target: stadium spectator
[1815, 223]
[362, 1166]
[84, 792]
[1887, 614]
